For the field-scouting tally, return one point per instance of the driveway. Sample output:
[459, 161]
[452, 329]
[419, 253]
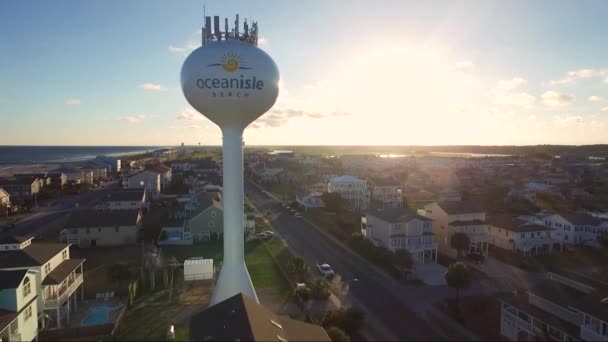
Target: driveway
[432, 274]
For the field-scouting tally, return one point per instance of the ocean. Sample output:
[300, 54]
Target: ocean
[28, 155]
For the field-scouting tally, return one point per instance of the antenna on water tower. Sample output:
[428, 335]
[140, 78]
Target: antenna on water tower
[232, 82]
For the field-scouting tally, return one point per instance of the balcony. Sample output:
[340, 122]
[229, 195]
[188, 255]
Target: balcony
[589, 334]
[51, 302]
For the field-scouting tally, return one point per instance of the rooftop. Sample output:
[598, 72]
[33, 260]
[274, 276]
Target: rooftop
[581, 219]
[158, 168]
[239, 318]
[102, 218]
[515, 224]
[347, 179]
[15, 239]
[460, 207]
[62, 271]
[396, 215]
[36, 254]
[466, 223]
[125, 195]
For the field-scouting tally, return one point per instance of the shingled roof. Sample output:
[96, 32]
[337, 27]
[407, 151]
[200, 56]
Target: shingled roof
[395, 215]
[102, 218]
[36, 254]
[460, 207]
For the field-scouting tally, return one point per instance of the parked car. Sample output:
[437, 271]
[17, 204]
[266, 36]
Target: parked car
[263, 236]
[325, 270]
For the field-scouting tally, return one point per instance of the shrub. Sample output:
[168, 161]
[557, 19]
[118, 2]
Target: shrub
[337, 335]
[319, 288]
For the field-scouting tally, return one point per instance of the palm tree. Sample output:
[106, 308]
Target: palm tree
[459, 277]
[319, 288]
[460, 242]
[118, 273]
[297, 268]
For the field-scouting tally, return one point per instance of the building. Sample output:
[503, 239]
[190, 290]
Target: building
[181, 166]
[310, 200]
[352, 189]
[319, 187]
[58, 178]
[520, 236]
[165, 174]
[576, 228]
[564, 307]
[400, 228]
[57, 277]
[207, 221]
[72, 175]
[92, 228]
[144, 180]
[239, 318]
[5, 198]
[135, 199]
[18, 305]
[42, 177]
[20, 188]
[387, 192]
[112, 163]
[454, 217]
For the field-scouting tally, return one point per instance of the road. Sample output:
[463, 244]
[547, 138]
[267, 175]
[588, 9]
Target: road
[373, 295]
[42, 217]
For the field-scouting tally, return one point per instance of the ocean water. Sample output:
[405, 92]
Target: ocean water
[24, 155]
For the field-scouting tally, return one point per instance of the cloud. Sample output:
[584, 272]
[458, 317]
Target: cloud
[605, 109]
[514, 99]
[72, 102]
[132, 119]
[552, 98]
[464, 66]
[569, 120]
[505, 85]
[594, 98]
[532, 118]
[189, 114]
[183, 49]
[340, 113]
[263, 42]
[195, 126]
[541, 124]
[152, 86]
[573, 76]
[280, 117]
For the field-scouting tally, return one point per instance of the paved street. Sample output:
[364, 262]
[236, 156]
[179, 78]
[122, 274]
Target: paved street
[374, 295]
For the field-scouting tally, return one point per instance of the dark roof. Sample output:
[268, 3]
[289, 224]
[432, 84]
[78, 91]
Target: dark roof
[394, 215]
[131, 195]
[385, 181]
[514, 224]
[521, 303]
[36, 254]
[11, 279]
[16, 181]
[15, 239]
[6, 317]
[62, 271]
[466, 223]
[102, 218]
[580, 219]
[239, 318]
[30, 175]
[459, 207]
[158, 168]
[204, 164]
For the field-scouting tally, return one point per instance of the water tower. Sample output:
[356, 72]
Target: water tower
[232, 82]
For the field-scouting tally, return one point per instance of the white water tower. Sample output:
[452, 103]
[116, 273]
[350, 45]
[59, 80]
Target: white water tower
[232, 82]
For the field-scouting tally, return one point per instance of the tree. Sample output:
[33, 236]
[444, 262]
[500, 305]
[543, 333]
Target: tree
[333, 202]
[297, 268]
[319, 288]
[119, 273]
[459, 277]
[402, 259]
[460, 242]
[337, 335]
[349, 320]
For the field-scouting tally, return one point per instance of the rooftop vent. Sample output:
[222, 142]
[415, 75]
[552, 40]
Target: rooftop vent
[276, 324]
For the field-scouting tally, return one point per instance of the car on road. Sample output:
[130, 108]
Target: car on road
[264, 235]
[325, 270]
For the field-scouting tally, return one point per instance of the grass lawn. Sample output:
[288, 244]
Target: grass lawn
[594, 259]
[283, 191]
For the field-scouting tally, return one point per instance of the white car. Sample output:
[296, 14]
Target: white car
[325, 270]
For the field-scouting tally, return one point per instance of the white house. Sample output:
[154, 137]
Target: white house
[5, 198]
[111, 162]
[310, 199]
[519, 236]
[576, 228]
[144, 180]
[92, 228]
[165, 174]
[125, 200]
[18, 305]
[400, 228]
[388, 192]
[458, 217]
[57, 277]
[352, 189]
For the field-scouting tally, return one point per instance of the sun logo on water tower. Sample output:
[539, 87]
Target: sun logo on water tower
[232, 62]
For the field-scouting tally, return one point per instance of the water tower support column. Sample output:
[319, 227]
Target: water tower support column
[233, 277]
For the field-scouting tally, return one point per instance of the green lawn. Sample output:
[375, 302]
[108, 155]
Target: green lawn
[284, 192]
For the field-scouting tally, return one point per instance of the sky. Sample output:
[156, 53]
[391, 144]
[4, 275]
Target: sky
[352, 72]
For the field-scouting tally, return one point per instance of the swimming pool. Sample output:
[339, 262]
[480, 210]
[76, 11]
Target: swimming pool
[98, 315]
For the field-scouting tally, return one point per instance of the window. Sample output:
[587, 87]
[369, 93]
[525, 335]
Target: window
[212, 213]
[47, 268]
[64, 254]
[28, 312]
[211, 223]
[27, 287]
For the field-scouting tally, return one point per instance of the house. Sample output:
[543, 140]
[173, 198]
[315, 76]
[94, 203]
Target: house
[144, 180]
[576, 228]
[113, 164]
[91, 228]
[181, 166]
[135, 199]
[5, 198]
[268, 174]
[42, 177]
[454, 217]
[564, 307]
[310, 200]
[520, 236]
[319, 187]
[240, 318]
[400, 228]
[204, 165]
[388, 192]
[352, 189]
[57, 277]
[165, 174]
[95, 172]
[58, 178]
[20, 188]
[18, 305]
[208, 219]
[72, 175]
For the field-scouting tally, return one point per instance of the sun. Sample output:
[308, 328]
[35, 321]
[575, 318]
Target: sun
[232, 62]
